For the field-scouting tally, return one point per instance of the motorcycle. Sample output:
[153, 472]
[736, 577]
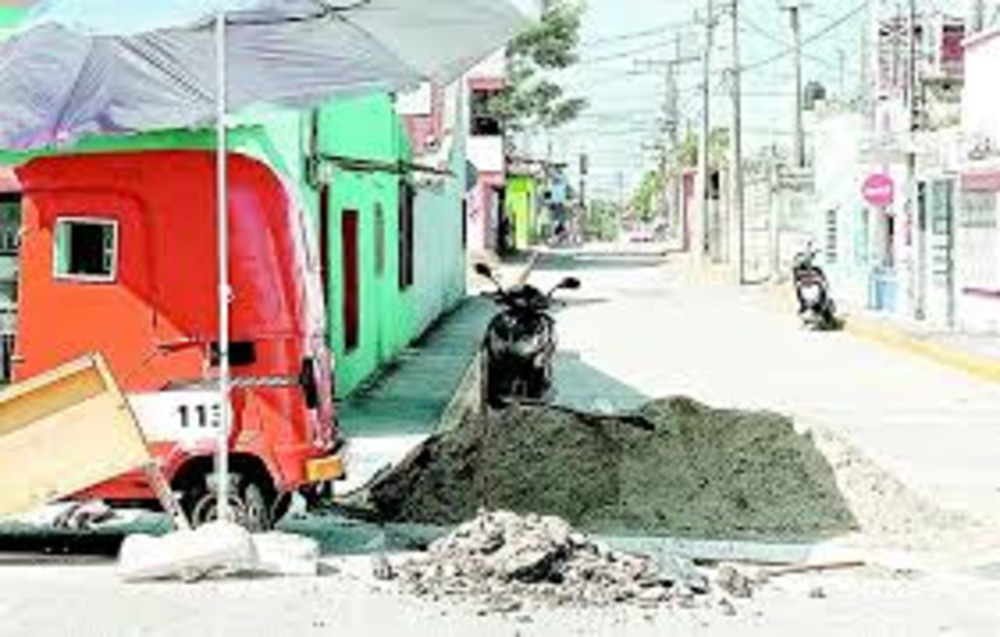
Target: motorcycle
[816, 307]
[520, 343]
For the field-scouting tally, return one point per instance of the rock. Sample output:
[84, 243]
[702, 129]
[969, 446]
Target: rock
[817, 593]
[727, 607]
[652, 596]
[84, 515]
[681, 571]
[501, 561]
[381, 568]
[287, 554]
[731, 580]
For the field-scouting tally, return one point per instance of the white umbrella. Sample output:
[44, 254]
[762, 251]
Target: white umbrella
[79, 67]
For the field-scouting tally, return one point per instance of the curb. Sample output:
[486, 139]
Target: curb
[465, 399]
[973, 365]
[780, 297]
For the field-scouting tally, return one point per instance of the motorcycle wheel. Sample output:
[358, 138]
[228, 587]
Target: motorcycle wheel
[494, 387]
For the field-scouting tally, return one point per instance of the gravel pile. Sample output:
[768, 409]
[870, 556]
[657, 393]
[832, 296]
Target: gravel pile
[506, 562]
[673, 467]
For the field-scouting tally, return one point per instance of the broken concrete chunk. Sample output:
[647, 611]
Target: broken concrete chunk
[532, 560]
[381, 568]
[682, 572]
[217, 547]
[286, 554]
[734, 582]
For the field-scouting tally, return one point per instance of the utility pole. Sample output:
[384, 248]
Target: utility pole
[679, 224]
[621, 200]
[583, 187]
[916, 214]
[700, 220]
[736, 148]
[799, 150]
[671, 127]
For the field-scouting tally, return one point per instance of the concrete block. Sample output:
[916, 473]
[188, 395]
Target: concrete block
[217, 547]
[286, 554]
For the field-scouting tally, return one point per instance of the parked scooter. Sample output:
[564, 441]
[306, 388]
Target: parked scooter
[816, 307]
[520, 343]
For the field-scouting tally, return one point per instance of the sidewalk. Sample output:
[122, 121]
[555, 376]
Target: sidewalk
[422, 391]
[408, 401]
[975, 354]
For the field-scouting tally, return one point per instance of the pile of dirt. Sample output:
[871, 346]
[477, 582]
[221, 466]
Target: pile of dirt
[505, 562]
[673, 467]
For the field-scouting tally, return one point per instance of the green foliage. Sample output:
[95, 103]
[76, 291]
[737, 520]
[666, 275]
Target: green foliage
[530, 101]
[718, 147]
[600, 221]
[647, 194]
[653, 183]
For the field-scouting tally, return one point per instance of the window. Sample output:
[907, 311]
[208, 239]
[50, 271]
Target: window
[10, 225]
[484, 122]
[406, 200]
[379, 239]
[85, 250]
[352, 280]
[831, 236]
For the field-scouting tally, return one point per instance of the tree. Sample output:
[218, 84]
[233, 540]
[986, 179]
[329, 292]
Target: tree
[653, 183]
[530, 100]
[600, 221]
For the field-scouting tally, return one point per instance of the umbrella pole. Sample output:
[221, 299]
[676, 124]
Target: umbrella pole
[222, 450]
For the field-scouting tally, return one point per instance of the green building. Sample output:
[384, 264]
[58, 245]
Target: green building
[389, 230]
[521, 209]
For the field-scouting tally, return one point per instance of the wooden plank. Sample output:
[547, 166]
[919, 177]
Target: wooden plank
[28, 385]
[25, 407]
[64, 431]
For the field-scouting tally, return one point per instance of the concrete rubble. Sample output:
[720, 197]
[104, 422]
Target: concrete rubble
[505, 562]
[216, 549]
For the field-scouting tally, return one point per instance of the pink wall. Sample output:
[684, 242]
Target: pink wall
[424, 128]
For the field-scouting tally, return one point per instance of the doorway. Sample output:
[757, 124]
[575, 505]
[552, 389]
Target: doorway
[351, 282]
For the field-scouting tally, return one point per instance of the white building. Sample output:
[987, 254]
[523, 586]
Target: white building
[977, 237]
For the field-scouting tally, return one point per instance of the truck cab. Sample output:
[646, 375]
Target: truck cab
[117, 255]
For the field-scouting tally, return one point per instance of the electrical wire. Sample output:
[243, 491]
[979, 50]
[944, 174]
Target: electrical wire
[832, 26]
[754, 27]
[636, 35]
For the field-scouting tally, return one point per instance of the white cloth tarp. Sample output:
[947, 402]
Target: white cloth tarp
[79, 67]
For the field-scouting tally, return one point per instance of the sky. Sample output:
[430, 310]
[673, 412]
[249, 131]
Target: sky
[626, 93]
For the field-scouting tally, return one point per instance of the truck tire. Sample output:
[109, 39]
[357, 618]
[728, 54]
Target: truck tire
[251, 504]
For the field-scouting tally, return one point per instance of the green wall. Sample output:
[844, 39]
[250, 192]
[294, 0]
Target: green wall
[368, 129]
[521, 209]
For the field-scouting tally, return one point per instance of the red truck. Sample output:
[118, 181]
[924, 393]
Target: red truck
[117, 254]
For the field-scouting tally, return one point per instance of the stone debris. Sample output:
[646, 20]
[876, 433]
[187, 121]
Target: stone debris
[504, 562]
[81, 516]
[734, 582]
[381, 568]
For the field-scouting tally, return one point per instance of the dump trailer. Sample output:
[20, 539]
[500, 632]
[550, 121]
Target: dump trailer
[69, 429]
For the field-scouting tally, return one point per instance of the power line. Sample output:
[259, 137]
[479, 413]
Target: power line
[637, 35]
[752, 26]
[810, 39]
[621, 54]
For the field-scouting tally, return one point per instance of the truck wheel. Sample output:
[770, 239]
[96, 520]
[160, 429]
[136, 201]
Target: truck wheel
[250, 504]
